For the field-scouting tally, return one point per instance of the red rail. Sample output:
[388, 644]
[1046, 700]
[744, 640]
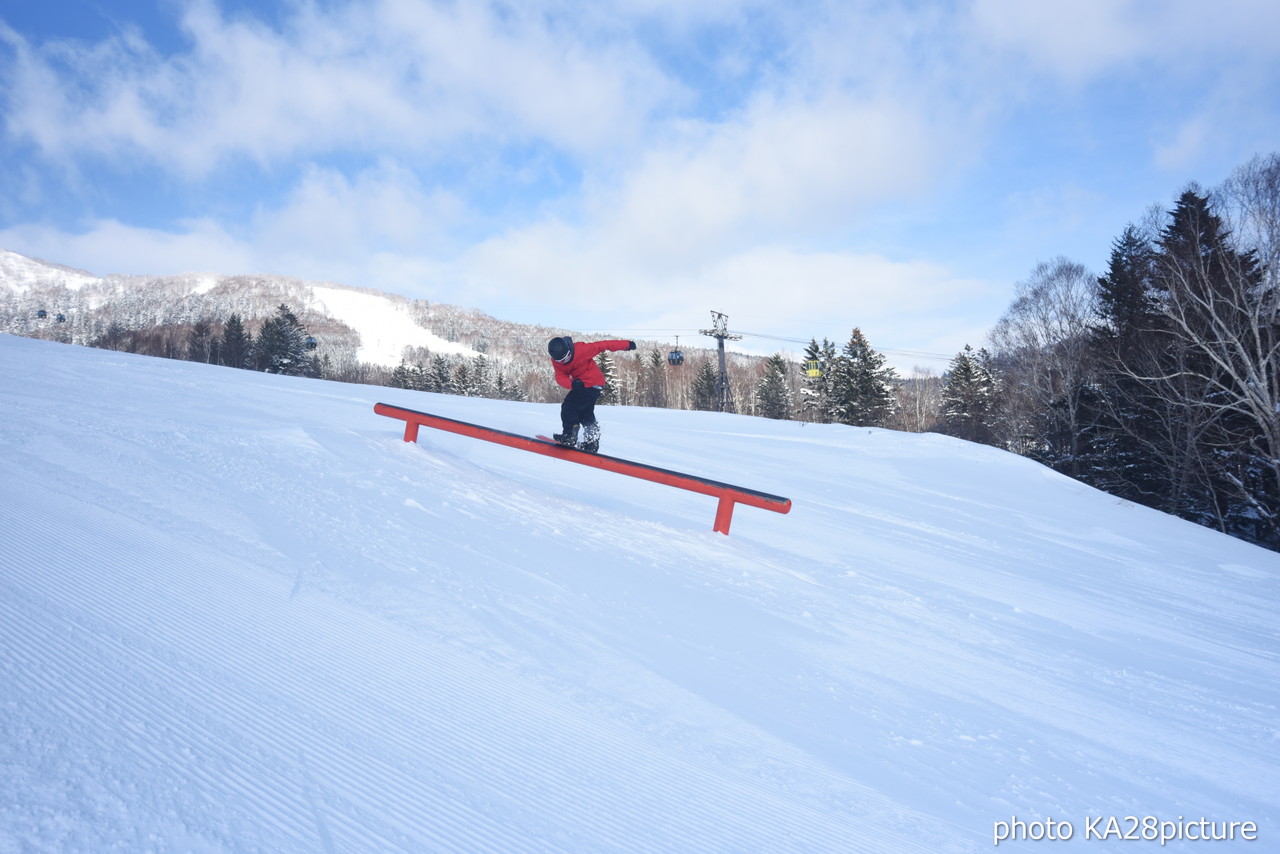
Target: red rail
[728, 494]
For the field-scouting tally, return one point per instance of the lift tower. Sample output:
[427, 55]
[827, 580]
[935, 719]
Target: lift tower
[720, 331]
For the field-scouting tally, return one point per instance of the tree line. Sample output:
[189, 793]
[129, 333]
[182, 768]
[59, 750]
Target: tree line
[479, 376]
[282, 344]
[1159, 380]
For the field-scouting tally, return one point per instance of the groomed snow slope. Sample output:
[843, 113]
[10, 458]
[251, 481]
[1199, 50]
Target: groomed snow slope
[384, 325]
[238, 613]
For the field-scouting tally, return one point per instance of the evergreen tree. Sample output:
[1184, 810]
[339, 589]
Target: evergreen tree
[862, 384]
[237, 343]
[407, 376]
[609, 395]
[505, 389]
[655, 380]
[281, 346]
[198, 342]
[1129, 334]
[969, 396]
[440, 379]
[1125, 303]
[817, 400]
[462, 382]
[773, 395]
[704, 386]
[481, 377]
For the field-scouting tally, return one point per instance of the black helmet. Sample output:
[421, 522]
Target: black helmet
[560, 349]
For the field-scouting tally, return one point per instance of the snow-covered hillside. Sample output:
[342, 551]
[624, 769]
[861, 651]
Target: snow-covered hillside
[18, 273]
[384, 325]
[238, 613]
[382, 321]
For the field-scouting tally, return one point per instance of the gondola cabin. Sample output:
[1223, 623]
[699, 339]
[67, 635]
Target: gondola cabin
[62, 318]
[675, 357]
[42, 314]
[310, 343]
[812, 369]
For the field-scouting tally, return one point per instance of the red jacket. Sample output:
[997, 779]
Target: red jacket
[583, 364]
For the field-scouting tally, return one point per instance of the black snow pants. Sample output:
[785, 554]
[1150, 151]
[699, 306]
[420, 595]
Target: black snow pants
[579, 407]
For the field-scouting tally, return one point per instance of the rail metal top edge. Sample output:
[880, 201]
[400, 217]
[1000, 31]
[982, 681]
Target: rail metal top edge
[764, 496]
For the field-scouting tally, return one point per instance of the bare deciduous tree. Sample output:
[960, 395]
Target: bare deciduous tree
[1042, 347]
[919, 402]
[1222, 313]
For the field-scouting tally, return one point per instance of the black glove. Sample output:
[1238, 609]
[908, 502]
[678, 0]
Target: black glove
[631, 345]
[577, 384]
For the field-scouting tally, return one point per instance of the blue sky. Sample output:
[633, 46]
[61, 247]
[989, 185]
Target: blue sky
[628, 165]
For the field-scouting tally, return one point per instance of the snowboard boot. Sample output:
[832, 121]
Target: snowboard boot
[567, 439]
[590, 439]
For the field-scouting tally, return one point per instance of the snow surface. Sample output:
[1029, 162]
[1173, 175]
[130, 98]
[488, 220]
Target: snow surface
[238, 613]
[385, 327]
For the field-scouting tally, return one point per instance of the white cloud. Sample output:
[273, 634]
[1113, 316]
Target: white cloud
[524, 71]
[109, 246]
[1084, 39]
[783, 170]
[1179, 150]
[329, 217]
[395, 76]
[1074, 40]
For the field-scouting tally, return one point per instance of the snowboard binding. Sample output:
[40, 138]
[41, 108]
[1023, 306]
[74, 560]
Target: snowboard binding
[567, 439]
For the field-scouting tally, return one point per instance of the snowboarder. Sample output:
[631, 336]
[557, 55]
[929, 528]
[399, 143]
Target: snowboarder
[576, 369]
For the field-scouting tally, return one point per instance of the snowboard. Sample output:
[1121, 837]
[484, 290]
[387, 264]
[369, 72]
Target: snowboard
[551, 441]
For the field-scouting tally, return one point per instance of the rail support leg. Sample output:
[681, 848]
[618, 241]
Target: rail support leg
[724, 515]
[411, 431]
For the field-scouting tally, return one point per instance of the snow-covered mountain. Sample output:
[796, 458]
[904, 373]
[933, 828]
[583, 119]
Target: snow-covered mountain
[384, 323]
[239, 613]
[19, 273]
